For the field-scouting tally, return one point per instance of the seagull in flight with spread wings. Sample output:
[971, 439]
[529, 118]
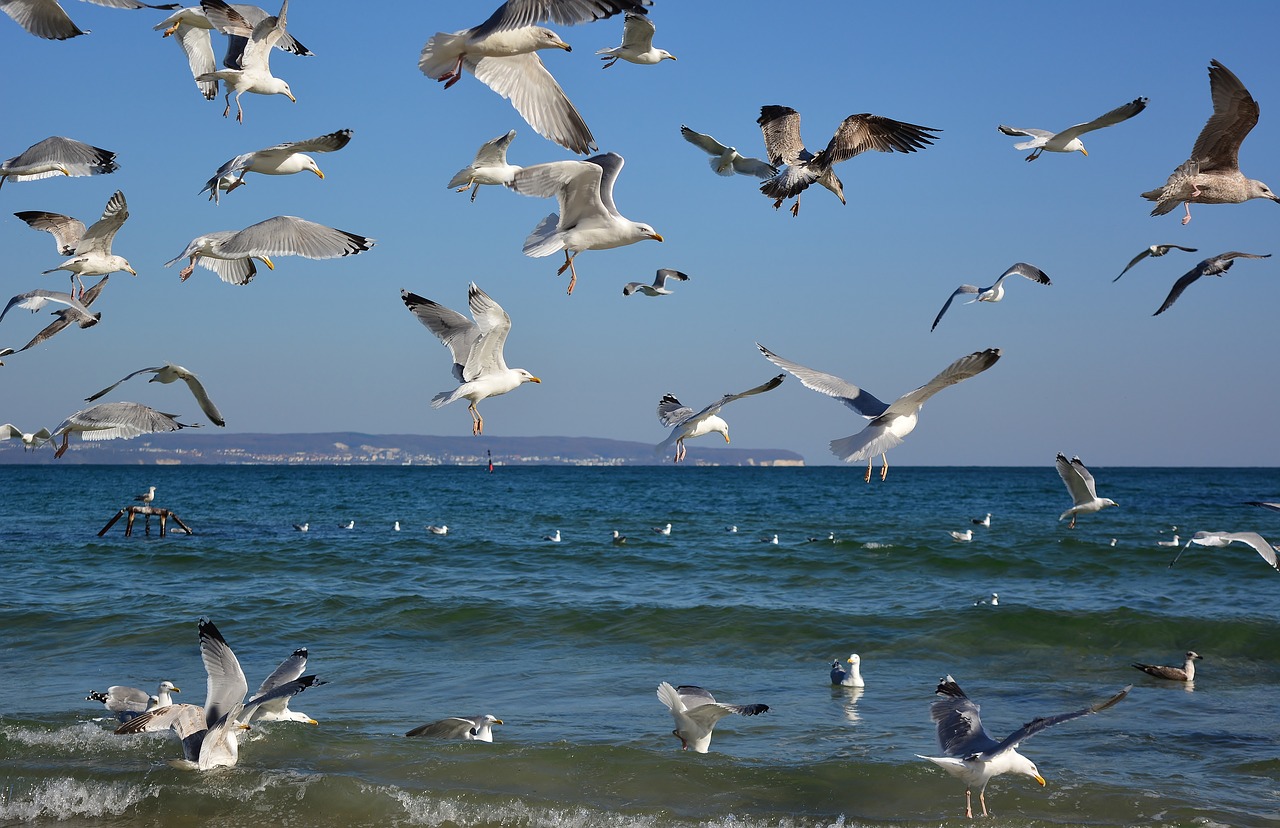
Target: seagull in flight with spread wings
[726, 160]
[166, 374]
[1154, 251]
[1212, 266]
[996, 292]
[282, 159]
[686, 424]
[1069, 139]
[1082, 488]
[89, 249]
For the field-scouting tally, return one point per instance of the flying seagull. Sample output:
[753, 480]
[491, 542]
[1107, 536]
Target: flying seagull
[798, 168]
[1212, 174]
[685, 424]
[847, 678]
[659, 286]
[588, 219]
[973, 756]
[90, 250]
[30, 440]
[108, 421]
[1187, 672]
[696, 712]
[489, 167]
[727, 160]
[1081, 487]
[166, 374]
[283, 159]
[468, 728]
[47, 18]
[230, 253]
[1155, 251]
[254, 72]
[637, 44]
[58, 156]
[996, 292]
[1213, 266]
[890, 422]
[1069, 139]
[65, 317]
[34, 300]
[1252, 540]
[478, 364]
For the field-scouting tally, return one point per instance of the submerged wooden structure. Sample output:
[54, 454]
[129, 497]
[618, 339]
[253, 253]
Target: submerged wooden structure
[146, 511]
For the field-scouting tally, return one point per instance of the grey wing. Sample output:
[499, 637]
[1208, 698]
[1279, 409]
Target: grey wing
[112, 386]
[292, 236]
[534, 93]
[266, 34]
[960, 730]
[226, 685]
[703, 142]
[120, 699]
[456, 331]
[610, 164]
[494, 152]
[1115, 116]
[1235, 113]
[78, 157]
[958, 371]
[34, 300]
[1025, 131]
[780, 126]
[637, 32]
[851, 395]
[41, 18]
[1235, 254]
[109, 421]
[202, 399]
[185, 719]
[1144, 254]
[493, 324]
[277, 697]
[101, 233]
[1255, 542]
[960, 291]
[235, 165]
[665, 273]
[66, 231]
[67, 316]
[860, 133]
[330, 142]
[672, 412]
[754, 167]
[452, 727]
[728, 398]
[1073, 474]
[1034, 726]
[1187, 278]
[134, 4]
[1030, 271]
[198, 48]
[515, 14]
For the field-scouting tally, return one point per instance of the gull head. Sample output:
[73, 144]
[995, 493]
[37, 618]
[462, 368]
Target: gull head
[644, 231]
[275, 86]
[663, 54]
[525, 376]
[544, 38]
[1259, 190]
[854, 660]
[1106, 501]
[833, 183]
[309, 163]
[121, 263]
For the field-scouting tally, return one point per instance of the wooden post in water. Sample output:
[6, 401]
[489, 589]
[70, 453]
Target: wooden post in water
[146, 511]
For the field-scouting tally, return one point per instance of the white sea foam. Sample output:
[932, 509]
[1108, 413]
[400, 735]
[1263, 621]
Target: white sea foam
[67, 798]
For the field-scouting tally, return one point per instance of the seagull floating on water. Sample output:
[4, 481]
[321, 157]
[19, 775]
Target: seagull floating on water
[438, 530]
[659, 286]
[1081, 487]
[666, 530]
[830, 538]
[685, 424]
[1069, 139]
[996, 292]
[726, 160]
[847, 678]
[966, 535]
[1173, 542]
[637, 44]
[554, 537]
[351, 524]
[618, 537]
[125, 702]
[489, 167]
[1213, 266]
[1187, 672]
[302, 527]
[467, 728]
[696, 712]
[982, 521]
[1154, 251]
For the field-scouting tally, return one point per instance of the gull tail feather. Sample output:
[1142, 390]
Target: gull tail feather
[440, 54]
[444, 398]
[542, 241]
[726, 169]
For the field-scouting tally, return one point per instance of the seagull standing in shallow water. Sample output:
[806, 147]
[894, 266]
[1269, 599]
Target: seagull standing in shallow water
[696, 712]
[1069, 139]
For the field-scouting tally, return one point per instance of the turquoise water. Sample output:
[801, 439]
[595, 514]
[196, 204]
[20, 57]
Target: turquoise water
[567, 642]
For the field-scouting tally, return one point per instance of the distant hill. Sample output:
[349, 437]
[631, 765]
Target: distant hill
[353, 448]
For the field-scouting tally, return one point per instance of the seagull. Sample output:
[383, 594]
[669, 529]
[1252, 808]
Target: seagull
[147, 497]
[996, 292]
[731, 529]
[982, 521]
[847, 678]
[830, 538]
[637, 44]
[1213, 266]
[726, 160]
[685, 424]
[1155, 251]
[468, 728]
[1187, 672]
[1252, 540]
[254, 73]
[554, 537]
[696, 712]
[351, 524]
[396, 526]
[58, 156]
[1173, 542]
[47, 18]
[438, 530]
[476, 347]
[773, 539]
[236, 21]
[966, 535]
[108, 421]
[1212, 174]
[302, 527]
[619, 538]
[588, 219]
[890, 423]
[65, 317]
[34, 300]
[230, 253]
[1069, 139]
[1081, 487]
[659, 286]
[90, 250]
[502, 53]
[666, 530]
[798, 168]
[489, 167]
[973, 756]
[30, 441]
[282, 159]
[130, 700]
[994, 600]
[166, 374]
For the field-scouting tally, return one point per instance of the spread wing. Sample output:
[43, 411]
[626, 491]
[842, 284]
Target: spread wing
[960, 730]
[1115, 116]
[728, 398]
[1235, 113]
[1185, 281]
[226, 685]
[1079, 481]
[534, 93]
[958, 371]
[493, 324]
[846, 392]
[672, 412]
[456, 331]
[960, 291]
[101, 233]
[1031, 272]
[637, 32]
[859, 133]
[515, 14]
[1034, 726]
[780, 126]
[66, 230]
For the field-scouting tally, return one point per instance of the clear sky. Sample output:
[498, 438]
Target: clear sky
[328, 345]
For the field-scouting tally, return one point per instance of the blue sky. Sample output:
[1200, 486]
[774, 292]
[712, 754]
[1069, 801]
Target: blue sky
[328, 345]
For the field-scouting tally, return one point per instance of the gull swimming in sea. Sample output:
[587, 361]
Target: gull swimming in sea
[109, 421]
[468, 728]
[973, 756]
[696, 712]
[58, 156]
[1081, 487]
[1213, 266]
[254, 72]
[830, 538]
[65, 317]
[659, 286]
[637, 44]
[1069, 139]
[994, 600]
[168, 373]
[130, 701]
[302, 527]
[996, 292]
[685, 424]
[798, 168]
[351, 524]
[47, 18]
[847, 678]
[1173, 542]
[1187, 672]
[731, 529]
[1155, 251]
[588, 219]
[771, 539]
[438, 530]
[1212, 174]
[502, 53]
[30, 440]
[619, 538]
[489, 167]
[726, 160]
[1252, 540]
[666, 530]
[965, 536]
[90, 250]
[282, 159]
[982, 521]
[890, 423]
[554, 537]
[478, 364]
[230, 253]
[34, 300]
[147, 497]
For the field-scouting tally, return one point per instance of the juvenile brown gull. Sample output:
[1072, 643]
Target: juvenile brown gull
[1069, 139]
[1252, 540]
[1082, 488]
[659, 286]
[996, 292]
[489, 167]
[109, 421]
[726, 160]
[685, 423]
[1213, 266]
[166, 374]
[90, 250]
[58, 156]
[469, 728]
[637, 44]
[1212, 174]
[230, 253]
[696, 712]
[1187, 672]
[1155, 251]
[282, 159]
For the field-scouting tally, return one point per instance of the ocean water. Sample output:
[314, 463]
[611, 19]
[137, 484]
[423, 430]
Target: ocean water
[567, 642]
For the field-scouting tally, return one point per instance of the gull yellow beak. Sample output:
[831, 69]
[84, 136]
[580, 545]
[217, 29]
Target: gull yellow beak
[1084, 152]
[566, 47]
[1040, 779]
[656, 237]
[498, 721]
[319, 173]
[266, 261]
[312, 722]
[290, 94]
[135, 273]
[726, 438]
[177, 689]
[531, 379]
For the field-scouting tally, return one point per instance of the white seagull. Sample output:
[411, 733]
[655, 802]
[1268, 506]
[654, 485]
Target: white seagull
[65, 317]
[1154, 251]
[588, 219]
[254, 73]
[230, 253]
[554, 537]
[666, 530]
[1069, 139]
[1187, 672]
[890, 423]
[995, 292]
[982, 521]
[438, 530]
[302, 527]
[109, 421]
[478, 364]
[489, 167]
[686, 424]
[119, 699]
[965, 536]
[30, 441]
[1252, 540]
[973, 756]
[1212, 266]
[34, 300]
[847, 678]
[1173, 542]
[90, 250]
[47, 18]
[467, 728]
[58, 156]
[166, 374]
[1081, 487]
[659, 286]
[282, 159]
[696, 712]
[637, 44]
[147, 497]
[726, 160]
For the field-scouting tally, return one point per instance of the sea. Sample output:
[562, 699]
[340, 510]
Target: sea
[567, 642]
